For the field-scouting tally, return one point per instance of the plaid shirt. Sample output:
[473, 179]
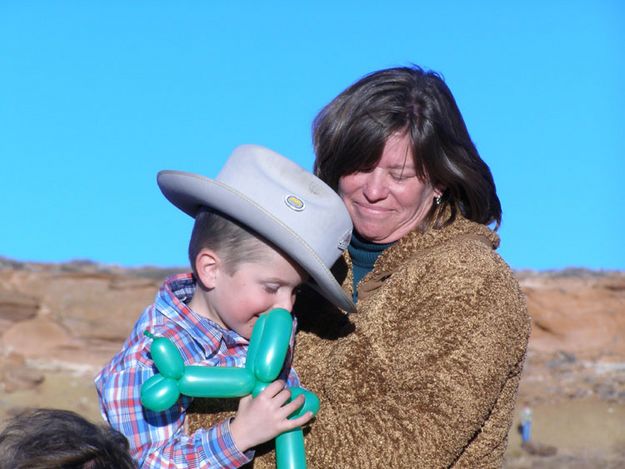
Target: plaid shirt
[158, 439]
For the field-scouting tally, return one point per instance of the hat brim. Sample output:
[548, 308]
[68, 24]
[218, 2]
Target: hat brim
[190, 192]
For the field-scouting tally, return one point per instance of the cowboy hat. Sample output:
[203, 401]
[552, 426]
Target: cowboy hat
[287, 205]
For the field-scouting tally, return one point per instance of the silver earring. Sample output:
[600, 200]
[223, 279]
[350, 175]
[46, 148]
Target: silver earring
[438, 199]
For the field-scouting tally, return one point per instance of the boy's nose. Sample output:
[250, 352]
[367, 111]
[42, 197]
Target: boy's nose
[286, 302]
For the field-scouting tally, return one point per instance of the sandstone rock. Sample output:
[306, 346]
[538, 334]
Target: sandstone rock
[124, 283]
[16, 375]
[16, 306]
[37, 338]
[582, 315]
[94, 306]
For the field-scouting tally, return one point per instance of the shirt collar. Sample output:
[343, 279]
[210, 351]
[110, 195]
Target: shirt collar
[172, 302]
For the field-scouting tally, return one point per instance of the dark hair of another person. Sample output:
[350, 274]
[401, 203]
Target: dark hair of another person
[52, 438]
[349, 135]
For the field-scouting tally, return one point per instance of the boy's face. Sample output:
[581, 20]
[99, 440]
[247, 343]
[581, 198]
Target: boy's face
[238, 299]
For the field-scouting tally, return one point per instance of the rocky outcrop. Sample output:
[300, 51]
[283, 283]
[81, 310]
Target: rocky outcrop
[71, 318]
[580, 312]
[15, 374]
[80, 312]
[15, 306]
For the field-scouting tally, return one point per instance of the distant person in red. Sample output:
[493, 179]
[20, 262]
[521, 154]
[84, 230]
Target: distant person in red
[53, 438]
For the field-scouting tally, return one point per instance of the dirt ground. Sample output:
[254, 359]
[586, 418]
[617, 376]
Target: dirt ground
[587, 432]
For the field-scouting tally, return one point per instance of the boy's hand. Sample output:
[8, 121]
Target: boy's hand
[264, 417]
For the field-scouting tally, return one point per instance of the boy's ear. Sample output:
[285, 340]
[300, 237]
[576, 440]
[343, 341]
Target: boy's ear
[207, 265]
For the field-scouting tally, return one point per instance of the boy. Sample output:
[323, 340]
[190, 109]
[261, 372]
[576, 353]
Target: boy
[262, 228]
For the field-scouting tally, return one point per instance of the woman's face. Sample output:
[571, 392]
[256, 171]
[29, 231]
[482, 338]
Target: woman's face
[389, 201]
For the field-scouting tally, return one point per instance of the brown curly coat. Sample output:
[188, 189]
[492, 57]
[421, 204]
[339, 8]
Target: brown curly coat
[425, 374]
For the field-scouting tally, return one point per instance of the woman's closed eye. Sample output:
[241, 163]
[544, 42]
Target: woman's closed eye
[401, 175]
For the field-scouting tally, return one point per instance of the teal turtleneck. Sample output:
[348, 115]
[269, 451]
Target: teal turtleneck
[363, 254]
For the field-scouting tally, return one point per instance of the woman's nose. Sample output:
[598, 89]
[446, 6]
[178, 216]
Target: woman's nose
[375, 187]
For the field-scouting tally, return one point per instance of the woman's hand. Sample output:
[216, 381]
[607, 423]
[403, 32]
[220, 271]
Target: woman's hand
[264, 417]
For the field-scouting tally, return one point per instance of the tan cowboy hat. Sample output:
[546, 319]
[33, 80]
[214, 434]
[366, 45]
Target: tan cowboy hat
[281, 201]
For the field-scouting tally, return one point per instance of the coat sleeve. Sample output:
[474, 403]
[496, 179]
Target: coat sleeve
[457, 359]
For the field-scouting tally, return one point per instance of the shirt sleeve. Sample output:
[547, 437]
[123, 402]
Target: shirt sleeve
[157, 439]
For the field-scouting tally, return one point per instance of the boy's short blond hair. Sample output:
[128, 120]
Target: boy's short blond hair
[232, 241]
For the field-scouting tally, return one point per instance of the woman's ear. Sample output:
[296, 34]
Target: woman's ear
[207, 265]
[438, 191]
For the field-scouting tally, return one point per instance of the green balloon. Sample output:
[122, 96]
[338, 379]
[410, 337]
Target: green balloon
[260, 387]
[290, 452]
[255, 339]
[310, 404]
[159, 393]
[215, 381]
[274, 345]
[167, 358]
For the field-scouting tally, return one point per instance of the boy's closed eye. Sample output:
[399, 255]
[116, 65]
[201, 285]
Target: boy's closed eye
[271, 288]
[274, 288]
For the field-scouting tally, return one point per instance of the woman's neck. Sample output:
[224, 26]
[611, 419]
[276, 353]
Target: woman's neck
[363, 253]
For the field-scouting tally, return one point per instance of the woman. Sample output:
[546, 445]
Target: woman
[425, 373]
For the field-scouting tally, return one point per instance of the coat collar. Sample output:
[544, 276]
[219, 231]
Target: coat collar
[416, 241]
[412, 244]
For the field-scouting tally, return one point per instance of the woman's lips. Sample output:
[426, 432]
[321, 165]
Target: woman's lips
[371, 209]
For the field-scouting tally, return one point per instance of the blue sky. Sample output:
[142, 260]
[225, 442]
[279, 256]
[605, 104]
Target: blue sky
[96, 97]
